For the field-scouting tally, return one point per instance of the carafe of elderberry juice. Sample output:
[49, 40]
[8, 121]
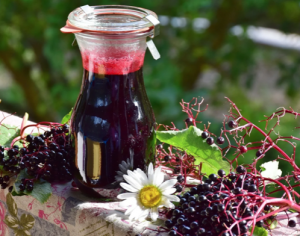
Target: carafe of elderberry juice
[112, 122]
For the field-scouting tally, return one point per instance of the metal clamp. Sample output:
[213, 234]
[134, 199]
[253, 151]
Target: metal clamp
[155, 22]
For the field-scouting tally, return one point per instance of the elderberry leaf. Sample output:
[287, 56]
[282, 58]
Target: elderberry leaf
[270, 170]
[190, 141]
[67, 117]
[7, 134]
[259, 231]
[41, 190]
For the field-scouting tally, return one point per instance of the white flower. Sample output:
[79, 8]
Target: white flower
[271, 170]
[124, 167]
[147, 193]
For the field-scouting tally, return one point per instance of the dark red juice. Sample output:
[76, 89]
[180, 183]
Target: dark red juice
[113, 121]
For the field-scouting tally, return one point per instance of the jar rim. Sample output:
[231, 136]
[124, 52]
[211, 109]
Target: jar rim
[111, 19]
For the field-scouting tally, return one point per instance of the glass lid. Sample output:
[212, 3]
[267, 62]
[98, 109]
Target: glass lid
[112, 19]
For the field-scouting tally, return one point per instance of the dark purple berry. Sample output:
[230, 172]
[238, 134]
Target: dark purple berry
[259, 153]
[205, 135]
[189, 121]
[292, 223]
[220, 140]
[232, 124]
[180, 178]
[1, 148]
[167, 158]
[221, 173]
[10, 189]
[213, 177]
[240, 170]
[29, 138]
[210, 140]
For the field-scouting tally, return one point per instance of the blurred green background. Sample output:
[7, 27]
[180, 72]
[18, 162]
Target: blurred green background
[208, 49]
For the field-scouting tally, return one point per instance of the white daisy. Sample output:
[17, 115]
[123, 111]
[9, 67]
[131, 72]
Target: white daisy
[147, 193]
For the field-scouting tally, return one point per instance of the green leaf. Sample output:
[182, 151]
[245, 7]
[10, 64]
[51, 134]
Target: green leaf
[11, 205]
[27, 221]
[7, 134]
[41, 189]
[259, 231]
[190, 140]
[67, 117]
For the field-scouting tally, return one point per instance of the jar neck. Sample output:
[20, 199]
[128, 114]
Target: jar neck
[102, 54]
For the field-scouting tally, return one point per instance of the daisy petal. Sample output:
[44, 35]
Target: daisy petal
[128, 202]
[167, 184]
[135, 176]
[122, 168]
[150, 173]
[173, 198]
[165, 202]
[143, 176]
[126, 195]
[169, 191]
[154, 213]
[128, 187]
[158, 177]
[137, 211]
[143, 215]
[134, 183]
[129, 210]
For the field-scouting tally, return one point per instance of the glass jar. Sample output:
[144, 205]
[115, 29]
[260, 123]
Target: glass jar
[113, 123]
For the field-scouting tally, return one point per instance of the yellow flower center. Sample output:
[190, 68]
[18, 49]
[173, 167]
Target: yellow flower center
[150, 196]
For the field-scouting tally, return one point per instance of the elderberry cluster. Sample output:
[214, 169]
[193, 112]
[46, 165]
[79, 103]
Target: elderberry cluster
[221, 205]
[48, 156]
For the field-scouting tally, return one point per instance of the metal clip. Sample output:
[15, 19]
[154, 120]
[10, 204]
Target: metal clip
[155, 22]
[153, 50]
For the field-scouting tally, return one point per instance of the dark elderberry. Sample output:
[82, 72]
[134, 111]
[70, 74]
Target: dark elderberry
[173, 233]
[1, 149]
[232, 124]
[240, 170]
[169, 223]
[180, 178]
[267, 207]
[292, 223]
[189, 121]
[210, 140]
[259, 153]
[159, 146]
[1, 154]
[167, 158]
[252, 188]
[178, 188]
[29, 138]
[260, 223]
[205, 135]
[213, 177]
[221, 173]
[220, 140]
[29, 187]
